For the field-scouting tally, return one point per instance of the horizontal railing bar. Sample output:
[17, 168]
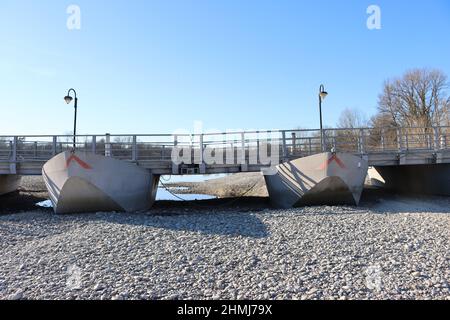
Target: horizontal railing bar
[226, 133]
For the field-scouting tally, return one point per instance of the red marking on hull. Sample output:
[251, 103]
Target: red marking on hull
[82, 164]
[329, 161]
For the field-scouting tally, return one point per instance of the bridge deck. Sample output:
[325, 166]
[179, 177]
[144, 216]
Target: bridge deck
[232, 152]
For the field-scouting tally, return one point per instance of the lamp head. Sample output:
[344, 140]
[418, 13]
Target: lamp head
[323, 94]
[68, 99]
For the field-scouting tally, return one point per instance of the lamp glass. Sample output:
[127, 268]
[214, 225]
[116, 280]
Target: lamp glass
[323, 94]
[68, 99]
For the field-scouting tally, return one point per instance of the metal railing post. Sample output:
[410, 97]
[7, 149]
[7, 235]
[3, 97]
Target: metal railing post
[443, 142]
[243, 157]
[406, 141]
[257, 148]
[202, 160]
[175, 167]
[224, 150]
[13, 164]
[201, 148]
[108, 145]
[15, 148]
[134, 153]
[294, 142]
[429, 141]
[283, 134]
[232, 155]
[399, 140]
[361, 141]
[94, 144]
[436, 138]
[54, 145]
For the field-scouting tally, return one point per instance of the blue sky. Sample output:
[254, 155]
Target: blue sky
[158, 66]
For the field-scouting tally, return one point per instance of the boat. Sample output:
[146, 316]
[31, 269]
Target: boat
[87, 182]
[9, 183]
[322, 179]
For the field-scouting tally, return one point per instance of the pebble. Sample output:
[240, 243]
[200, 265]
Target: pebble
[99, 287]
[18, 295]
[346, 288]
[325, 252]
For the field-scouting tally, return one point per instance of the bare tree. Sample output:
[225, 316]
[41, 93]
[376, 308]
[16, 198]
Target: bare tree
[351, 119]
[419, 98]
[445, 121]
[383, 131]
[346, 137]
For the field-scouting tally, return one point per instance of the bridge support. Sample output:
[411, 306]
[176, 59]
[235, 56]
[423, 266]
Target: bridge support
[9, 183]
[326, 178]
[86, 182]
[431, 179]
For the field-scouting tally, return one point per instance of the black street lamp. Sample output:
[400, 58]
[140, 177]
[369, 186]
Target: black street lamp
[68, 100]
[322, 95]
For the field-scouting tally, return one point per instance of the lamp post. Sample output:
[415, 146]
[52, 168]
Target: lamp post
[68, 100]
[322, 95]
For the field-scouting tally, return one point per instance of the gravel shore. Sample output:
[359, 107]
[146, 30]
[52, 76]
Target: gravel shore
[235, 185]
[389, 248]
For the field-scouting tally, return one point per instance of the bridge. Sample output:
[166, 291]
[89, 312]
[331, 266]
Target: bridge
[301, 167]
[231, 152]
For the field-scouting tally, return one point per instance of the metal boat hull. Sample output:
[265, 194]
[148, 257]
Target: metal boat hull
[86, 182]
[325, 178]
[9, 183]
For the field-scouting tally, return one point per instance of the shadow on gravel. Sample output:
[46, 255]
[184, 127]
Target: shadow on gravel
[243, 224]
[21, 201]
[209, 217]
[235, 204]
[388, 201]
